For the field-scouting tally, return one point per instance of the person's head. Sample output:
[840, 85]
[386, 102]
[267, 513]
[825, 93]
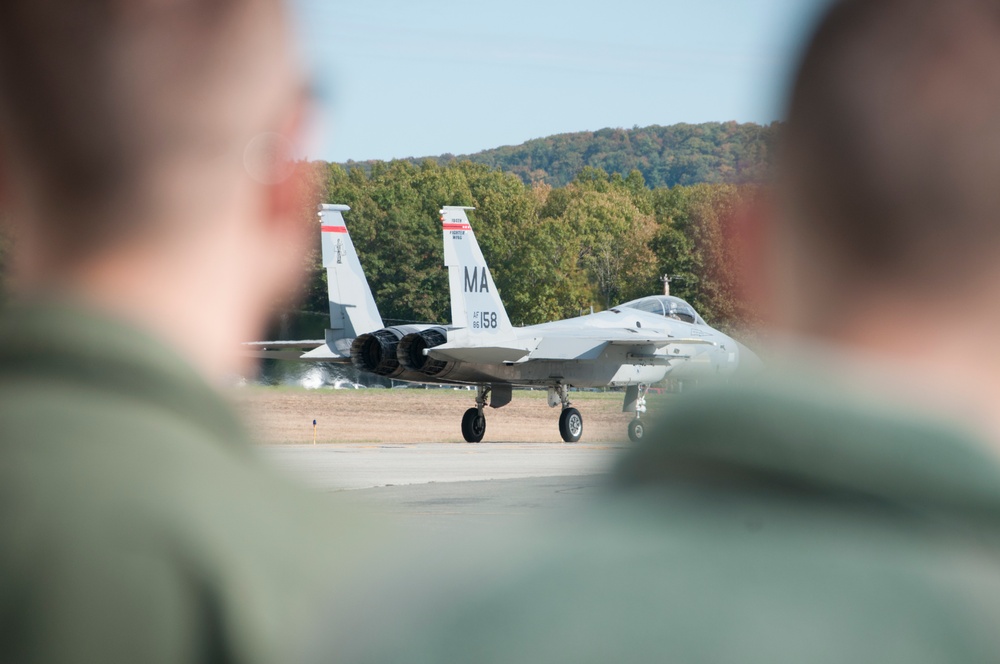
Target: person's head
[136, 132]
[888, 176]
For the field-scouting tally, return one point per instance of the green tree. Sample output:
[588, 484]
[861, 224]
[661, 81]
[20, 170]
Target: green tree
[697, 242]
[395, 224]
[599, 223]
[553, 251]
[685, 154]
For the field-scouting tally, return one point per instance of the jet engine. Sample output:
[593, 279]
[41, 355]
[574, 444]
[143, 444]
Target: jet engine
[410, 351]
[375, 352]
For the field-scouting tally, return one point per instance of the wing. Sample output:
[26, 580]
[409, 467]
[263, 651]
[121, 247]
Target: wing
[568, 347]
[315, 350]
[279, 350]
[516, 351]
[592, 346]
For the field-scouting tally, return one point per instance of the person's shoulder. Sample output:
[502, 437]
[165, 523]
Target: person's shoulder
[761, 524]
[812, 435]
[128, 478]
[138, 466]
[635, 576]
[164, 535]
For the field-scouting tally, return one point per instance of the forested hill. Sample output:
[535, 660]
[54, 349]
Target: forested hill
[685, 154]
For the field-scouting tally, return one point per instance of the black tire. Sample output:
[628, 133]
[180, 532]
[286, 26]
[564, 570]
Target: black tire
[636, 430]
[571, 425]
[473, 426]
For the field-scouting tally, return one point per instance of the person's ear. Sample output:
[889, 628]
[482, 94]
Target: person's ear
[289, 188]
[4, 184]
[758, 228]
[7, 230]
[290, 196]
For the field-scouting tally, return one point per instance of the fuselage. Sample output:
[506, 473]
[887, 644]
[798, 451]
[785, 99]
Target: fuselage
[609, 349]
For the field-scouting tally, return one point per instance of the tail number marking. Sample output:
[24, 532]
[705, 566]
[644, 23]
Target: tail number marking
[484, 320]
[475, 282]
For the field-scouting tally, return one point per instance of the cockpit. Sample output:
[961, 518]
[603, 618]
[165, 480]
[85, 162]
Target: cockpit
[666, 305]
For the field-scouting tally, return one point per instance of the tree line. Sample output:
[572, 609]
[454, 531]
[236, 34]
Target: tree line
[554, 252]
[686, 154]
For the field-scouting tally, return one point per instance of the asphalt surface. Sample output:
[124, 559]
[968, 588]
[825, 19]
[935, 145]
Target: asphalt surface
[440, 486]
[364, 466]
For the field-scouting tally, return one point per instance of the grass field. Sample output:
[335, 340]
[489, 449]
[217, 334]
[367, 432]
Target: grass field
[282, 415]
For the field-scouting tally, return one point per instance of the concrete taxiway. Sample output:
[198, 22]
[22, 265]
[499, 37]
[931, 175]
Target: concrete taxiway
[363, 466]
[445, 485]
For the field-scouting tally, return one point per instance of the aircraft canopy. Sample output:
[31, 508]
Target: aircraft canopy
[666, 305]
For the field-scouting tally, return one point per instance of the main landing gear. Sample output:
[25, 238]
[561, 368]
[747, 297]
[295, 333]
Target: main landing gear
[497, 396]
[474, 421]
[570, 420]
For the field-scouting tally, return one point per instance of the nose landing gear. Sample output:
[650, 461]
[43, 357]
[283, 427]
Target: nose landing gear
[637, 428]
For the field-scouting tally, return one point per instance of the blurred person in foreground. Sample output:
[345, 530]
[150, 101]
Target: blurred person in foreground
[153, 227]
[848, 511]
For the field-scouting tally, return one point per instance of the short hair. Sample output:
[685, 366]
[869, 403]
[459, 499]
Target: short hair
[891, 151]
[95, 94]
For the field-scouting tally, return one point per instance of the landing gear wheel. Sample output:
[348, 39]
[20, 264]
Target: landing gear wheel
[473, 426]
[571, 425]
[636, 430]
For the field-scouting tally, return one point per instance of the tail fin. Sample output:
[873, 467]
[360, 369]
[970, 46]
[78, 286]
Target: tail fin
[475, 303]
[352, 308]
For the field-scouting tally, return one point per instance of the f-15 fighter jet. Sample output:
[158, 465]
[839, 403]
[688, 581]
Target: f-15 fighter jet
[632, 345]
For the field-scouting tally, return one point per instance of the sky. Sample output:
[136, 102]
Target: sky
[414, 78]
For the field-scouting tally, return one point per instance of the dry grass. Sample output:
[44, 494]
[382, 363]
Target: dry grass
[285, 415]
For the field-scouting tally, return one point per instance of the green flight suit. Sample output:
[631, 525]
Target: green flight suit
[770, 526]
[136, 522]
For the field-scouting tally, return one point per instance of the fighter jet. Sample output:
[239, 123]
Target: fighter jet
[632, 345]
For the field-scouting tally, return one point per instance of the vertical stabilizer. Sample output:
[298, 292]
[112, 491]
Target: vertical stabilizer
[352, 308]
[475, 303]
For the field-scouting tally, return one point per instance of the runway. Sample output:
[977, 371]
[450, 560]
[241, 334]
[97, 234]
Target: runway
[448, 485]
[365, 466]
